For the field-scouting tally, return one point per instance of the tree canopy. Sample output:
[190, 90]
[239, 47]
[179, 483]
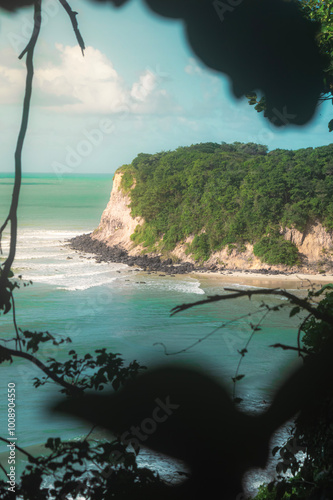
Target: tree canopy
[321, 13]
[228, 194]
[191, 174]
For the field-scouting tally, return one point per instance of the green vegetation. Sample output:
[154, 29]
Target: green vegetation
[199, 247]
[320, 12]
[276, 250]
[312, 433]
[127, 181]
[229, 194]
[276, 492]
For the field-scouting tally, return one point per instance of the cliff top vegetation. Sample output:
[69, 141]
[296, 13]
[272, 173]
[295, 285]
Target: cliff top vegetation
[227, 194]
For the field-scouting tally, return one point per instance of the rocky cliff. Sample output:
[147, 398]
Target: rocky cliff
[315, 244]
[117, 224]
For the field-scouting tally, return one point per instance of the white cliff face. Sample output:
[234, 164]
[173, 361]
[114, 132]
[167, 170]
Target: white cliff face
[315, 244]
[117, 224]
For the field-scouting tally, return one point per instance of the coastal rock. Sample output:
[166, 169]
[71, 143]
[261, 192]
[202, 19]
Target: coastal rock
[111, 242]
[104, 253]
[315, 242]
[117, 223]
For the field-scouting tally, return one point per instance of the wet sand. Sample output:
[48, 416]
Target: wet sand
[282, 281]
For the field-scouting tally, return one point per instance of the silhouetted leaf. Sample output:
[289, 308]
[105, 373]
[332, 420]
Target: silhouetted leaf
[295, 310]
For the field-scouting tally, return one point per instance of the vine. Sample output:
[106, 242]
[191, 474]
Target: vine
[68, 462]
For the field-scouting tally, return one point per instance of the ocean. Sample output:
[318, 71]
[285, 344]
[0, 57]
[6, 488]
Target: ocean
[126, 311]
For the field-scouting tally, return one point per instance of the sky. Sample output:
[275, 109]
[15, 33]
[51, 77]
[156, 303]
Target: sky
[139, 88]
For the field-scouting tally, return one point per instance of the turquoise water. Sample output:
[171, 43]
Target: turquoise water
[74, 203]
[109, 305]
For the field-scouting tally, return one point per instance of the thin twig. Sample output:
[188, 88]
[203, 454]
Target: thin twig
[91, 430]
[300, 350]
[79, 373]
[304, 304]
[72, 15]
[17, 340]
[290, 348]
[254, 329]
[205, 337]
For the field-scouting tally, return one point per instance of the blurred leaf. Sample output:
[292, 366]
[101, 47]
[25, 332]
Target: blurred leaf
[295, 310]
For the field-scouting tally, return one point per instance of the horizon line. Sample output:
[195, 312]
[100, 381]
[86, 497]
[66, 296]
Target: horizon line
[74, 174]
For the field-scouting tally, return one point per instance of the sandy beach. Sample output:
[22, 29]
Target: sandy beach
[290, 281]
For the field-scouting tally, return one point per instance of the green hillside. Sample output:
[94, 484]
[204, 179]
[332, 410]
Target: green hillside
[229, 194]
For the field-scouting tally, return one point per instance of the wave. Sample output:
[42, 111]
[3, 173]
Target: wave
[64, 283]
[43, 257]
[183, 286]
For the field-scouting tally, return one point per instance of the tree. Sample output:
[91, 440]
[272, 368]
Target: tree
[228, 442]
[320, 12]
[75, 375]
[291, 90]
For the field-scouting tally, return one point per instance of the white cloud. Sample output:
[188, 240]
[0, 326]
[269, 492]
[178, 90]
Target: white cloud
[85, 85]
[11, 84]
[90, 81]
[146, 84]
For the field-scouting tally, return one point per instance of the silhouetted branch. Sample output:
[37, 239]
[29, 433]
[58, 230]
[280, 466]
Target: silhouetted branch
[20, 354]
[300, 350]
[37, 25]
[255, 328]
[290, 348]
[12, 216]
[90, 432]
[304, 304]
[205, 337]
[17, 340]
[72, 16]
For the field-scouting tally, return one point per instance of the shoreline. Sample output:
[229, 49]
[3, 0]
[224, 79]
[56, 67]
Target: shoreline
[103, 253]
[265, 278]
[290, 281]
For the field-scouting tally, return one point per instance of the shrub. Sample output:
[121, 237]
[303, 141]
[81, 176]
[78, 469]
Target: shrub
[146, 235]
[200, 248]
[276, 250]
[127, 181]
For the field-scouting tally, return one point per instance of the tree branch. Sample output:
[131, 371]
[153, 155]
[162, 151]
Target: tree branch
[300, 328]
[290, 348]
[304, 304]
[12, 217]
[72, 16]
[254, 330]
[20, 354]
[226, 323]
